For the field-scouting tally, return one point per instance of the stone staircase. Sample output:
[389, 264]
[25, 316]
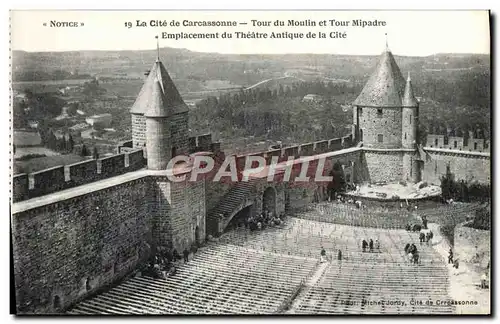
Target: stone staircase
[236, 199]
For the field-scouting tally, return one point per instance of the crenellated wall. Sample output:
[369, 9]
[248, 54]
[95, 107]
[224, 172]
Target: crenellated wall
[457, 143]
[64, 177]
[97, 236]
[467, 166]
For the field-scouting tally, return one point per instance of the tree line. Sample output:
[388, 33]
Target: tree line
[277, 112]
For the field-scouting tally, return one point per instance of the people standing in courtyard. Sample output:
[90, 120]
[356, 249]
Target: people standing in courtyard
[339, 255]
[421, 237]
[322, 255]
[450, 256]
[371, 245]
[364, 245]
[186, 255]
[176, 255]
[377, 246]
[484, 280]
[424, 221]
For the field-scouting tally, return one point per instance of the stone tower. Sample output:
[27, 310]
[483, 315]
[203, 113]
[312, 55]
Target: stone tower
[377, 111]
[410, 117]
[158, 143]
[385, 116]
[160, 118]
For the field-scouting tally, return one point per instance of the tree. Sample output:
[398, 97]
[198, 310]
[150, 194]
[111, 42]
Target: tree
[51, 140]
[448, 184]
[85, 151]
[95, 154]
[338, 183]
[70, 144]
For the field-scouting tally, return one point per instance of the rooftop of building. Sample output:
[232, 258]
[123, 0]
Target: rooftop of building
[386, 86]
[167, 94]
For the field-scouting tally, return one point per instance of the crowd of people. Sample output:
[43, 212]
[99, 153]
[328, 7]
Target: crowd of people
[265, 219]
[165, 261]
[426, 237]
[370, 246]
[412, 253]
[324, 258]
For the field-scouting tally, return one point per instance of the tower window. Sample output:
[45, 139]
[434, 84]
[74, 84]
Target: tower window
[410, 119]
[380, 138]
[379, 112]
[405, 135]
[455, 144]
[475, 145]
[361, 134]
[436, 142]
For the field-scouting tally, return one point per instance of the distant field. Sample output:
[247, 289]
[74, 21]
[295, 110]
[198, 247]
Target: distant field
[41, 163]
[23, 138]
[22, 151]
[53, 85]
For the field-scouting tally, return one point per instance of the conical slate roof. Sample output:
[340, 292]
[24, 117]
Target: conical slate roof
[385, 87]
[155, 106]
[409, 99]
[172, 100]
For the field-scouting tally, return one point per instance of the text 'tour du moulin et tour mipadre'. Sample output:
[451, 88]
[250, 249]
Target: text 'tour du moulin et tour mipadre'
[259, 23]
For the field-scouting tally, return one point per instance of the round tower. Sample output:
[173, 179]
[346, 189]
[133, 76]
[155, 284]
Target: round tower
[378, 108]
[410, 117]
[158, 145]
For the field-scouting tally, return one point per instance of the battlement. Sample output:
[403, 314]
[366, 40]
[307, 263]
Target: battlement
[26, 186]
[302, 150]
[459, 143]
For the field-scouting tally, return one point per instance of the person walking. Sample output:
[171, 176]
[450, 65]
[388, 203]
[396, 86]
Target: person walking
[322, 257]
[450, 257]
[186, 255]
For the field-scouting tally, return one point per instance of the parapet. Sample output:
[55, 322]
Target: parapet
[200, 143]
[26, 186]
[457, 143]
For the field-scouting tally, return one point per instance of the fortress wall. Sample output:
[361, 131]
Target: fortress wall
[306, 149]
[388, 124]
[321, 147]
[204, 142]
[83, 172]
[467, 166]
[291, 151]
[179, 132]
[347, 141]
[98, 236]
[335, 144]
[138, 130]
[385, 166]
[192, 144]
[136, 160]
[47, 181]
[215, 147]
[472, 245]
[54, 179]
[20, 187]
[181, 209]
[112, 165]
[300, 194]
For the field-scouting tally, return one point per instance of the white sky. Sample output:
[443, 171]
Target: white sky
[415, 33]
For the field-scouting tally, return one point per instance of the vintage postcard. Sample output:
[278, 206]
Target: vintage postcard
[250, 162]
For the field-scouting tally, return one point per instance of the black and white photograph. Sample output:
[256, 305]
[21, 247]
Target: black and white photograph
[216, 162]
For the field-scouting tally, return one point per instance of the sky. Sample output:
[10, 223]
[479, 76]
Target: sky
[410, 33]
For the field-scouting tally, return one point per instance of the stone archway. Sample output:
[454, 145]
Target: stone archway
[269, 200]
